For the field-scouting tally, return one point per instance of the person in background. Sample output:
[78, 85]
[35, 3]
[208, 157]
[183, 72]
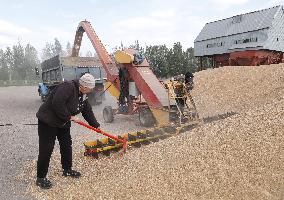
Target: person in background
[188, 80]
[54, 121]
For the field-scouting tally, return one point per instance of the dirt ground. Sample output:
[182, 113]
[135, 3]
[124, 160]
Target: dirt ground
[19, 141]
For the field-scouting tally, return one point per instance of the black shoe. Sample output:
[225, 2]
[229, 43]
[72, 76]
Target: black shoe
[71, 173]
[43, 183]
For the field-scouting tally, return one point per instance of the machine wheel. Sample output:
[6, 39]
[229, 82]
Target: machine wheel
[146, 117]
[108, 114]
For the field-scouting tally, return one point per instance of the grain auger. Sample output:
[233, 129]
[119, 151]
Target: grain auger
[183, 117]
[167, 108]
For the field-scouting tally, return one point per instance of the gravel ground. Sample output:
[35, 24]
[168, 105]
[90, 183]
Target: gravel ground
[240, 157]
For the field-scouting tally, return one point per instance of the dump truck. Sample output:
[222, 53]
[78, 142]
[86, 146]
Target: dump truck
[59, 69]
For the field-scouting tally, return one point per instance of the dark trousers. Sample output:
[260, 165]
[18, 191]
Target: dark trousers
[47, 136]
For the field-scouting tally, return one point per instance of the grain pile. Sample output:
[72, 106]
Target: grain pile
[237, 88]
[240, 157]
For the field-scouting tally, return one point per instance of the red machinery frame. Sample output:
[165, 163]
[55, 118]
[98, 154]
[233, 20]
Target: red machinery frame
[149, 86]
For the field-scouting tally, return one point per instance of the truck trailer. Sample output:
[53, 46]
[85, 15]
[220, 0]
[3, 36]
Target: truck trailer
[59, 69]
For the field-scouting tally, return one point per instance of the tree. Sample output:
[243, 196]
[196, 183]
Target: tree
[50, 50]
[135, 46]
[47, 51]
[4, 71]
[68, 49]
[89, 54]
[18, 57]
[57, 49]
[167, 62]
[31, 62]
[157, 58]
[9, 62]
[181, 61]
[175, 60]
[18, 63]
[190, 61]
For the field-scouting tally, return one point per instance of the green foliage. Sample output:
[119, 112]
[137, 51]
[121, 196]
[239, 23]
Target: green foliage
[57, 47]
[31, 62]
[68, 49]
[175, 60]
[18, 58]
[9, 62]
[190, 61]
[3, 66]
[50, 50]
[167, 62]
[157, 58]
[47, 51]
[17, 65]
[136, 46]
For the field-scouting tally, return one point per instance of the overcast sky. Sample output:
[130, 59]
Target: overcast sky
[115, 21]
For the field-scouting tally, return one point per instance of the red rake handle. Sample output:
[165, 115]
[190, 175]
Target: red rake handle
[103, 133]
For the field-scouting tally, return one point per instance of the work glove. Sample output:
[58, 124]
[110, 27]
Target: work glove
[95, 124]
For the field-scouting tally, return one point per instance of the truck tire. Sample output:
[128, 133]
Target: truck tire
[146, 117]
[108, 114]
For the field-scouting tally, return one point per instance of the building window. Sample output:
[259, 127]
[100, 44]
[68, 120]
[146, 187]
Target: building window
[246, 40]
[237, 19]
[216, 44]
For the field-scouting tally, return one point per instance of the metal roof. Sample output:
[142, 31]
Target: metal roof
[243, 23]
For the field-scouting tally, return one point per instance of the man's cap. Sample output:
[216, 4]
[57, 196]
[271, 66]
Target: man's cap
[87, 80]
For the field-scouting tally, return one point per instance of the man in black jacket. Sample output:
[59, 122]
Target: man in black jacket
[54, 120]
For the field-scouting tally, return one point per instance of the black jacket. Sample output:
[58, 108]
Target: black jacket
[65, 101]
